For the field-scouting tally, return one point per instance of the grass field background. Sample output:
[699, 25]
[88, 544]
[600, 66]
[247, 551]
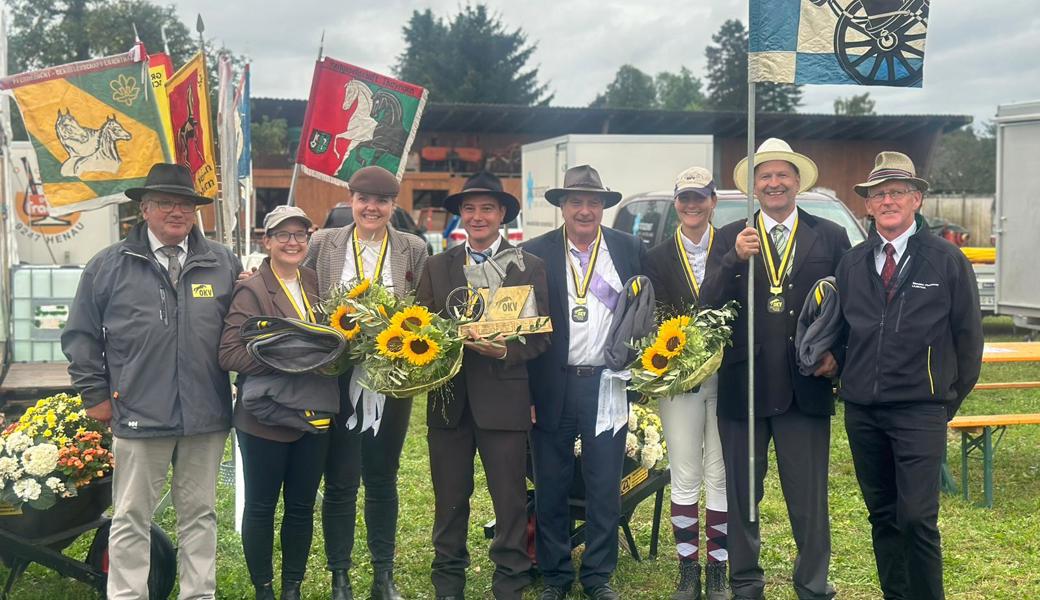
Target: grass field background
[988, 554]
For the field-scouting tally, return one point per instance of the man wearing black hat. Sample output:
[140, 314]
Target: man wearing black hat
[142, 340]
[489, 406]
[587, 265]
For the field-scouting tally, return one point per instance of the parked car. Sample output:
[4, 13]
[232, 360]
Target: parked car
[954, 233]
[454, 234]
[341, 216]
[650, 216]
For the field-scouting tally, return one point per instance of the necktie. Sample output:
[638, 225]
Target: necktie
[889, 270]
[173, 265]
[779, 235]
[479, 257]
[598, 286]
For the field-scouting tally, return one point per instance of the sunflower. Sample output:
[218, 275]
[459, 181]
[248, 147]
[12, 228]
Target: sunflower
[342, 322]
[654, 361]
[670, 340]
[359, 289]
[390, 342]
[420, 349]
[412, 318]
[680, 322]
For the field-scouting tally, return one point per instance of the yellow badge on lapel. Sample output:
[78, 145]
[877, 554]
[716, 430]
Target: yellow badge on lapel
[202, 290]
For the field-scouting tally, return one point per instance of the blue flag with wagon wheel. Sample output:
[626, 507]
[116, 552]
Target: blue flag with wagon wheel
[856, 42]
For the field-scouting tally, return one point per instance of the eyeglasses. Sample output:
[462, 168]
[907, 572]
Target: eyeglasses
[897, 195]
[283, 237]
[166, 205]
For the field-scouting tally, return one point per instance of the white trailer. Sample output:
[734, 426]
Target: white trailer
[630, 164]
[1018, 218]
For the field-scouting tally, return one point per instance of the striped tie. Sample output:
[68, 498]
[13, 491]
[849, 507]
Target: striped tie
[779, 235]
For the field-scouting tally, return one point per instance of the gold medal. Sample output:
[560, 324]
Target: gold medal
[580, 314]
[775, 304]
[776, 273]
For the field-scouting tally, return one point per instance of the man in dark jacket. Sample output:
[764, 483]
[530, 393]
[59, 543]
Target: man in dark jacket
[793, 251]
[914, 351]
[587, 266]
[142, 340]
[488, 407]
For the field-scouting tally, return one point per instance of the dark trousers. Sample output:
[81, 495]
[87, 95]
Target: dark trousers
[504, 454]
[293, 469]
[375, 459]
[802, 445]
[602, 458]
[898, 453]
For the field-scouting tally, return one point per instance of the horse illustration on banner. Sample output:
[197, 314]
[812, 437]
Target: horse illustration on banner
[89, 150]
[361, 126]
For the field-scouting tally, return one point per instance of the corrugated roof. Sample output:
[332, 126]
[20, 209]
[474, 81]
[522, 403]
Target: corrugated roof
[560, 120]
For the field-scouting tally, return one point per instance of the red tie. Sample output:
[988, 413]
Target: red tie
[889, 270]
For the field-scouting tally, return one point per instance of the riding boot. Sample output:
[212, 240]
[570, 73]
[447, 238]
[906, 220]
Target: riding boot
[715, 580]
[383, 587]
[341, 589]
[290, 589]
[264, 591]
[689, 587]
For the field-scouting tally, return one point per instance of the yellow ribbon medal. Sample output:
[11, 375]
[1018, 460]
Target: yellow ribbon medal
[359, 268]
[580, 314]
[685, 260]
[304, 316]
[776, 273]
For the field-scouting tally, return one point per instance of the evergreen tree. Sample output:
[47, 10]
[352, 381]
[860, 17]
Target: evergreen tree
[727, 76]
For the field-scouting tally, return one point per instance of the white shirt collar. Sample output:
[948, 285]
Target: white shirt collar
[491, 250]
[692, 246]
[770, 223]
[901, 240]
[155, 243]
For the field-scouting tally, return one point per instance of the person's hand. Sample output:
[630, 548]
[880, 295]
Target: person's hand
[534, 419]
[489, 348]
[246, 274]
[101, 412]
[827, 367]
[747, 244]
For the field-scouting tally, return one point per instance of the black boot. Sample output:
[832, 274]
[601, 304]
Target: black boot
[290, 589]
[341, 589]
[383, 586]
[715, 581]
[689, 587]
[264, 591]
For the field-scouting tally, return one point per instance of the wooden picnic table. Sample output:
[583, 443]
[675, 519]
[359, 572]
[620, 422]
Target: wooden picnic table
[1004, 352]
[32, 381]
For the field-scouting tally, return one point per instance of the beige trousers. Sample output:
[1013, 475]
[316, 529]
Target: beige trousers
[138, 479]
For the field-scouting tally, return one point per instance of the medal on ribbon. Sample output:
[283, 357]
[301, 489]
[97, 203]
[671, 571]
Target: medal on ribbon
[776, 272]
[691, 280]
[580, 313]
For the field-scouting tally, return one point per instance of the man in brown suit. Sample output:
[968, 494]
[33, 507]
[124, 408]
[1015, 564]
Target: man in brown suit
[488, 407]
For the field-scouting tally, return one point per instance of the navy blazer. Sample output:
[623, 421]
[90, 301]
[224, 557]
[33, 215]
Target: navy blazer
[548, 376]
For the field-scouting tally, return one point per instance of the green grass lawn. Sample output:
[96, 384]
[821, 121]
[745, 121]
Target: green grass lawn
[991, 554]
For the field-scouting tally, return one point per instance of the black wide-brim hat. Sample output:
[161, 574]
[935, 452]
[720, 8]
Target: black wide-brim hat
[484, 184]
[582, 178]
[168, 179]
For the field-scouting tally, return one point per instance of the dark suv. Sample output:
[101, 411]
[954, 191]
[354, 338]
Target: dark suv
[651, 218]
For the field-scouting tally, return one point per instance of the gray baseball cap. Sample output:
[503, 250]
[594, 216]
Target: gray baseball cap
[280, 214]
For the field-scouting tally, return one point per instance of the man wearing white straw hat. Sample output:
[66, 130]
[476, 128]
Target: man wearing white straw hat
[794, 250]
[911, 306]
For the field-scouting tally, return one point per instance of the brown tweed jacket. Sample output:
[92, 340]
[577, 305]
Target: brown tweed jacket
[329, 247]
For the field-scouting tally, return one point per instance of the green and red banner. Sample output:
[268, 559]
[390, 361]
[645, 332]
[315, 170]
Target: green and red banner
[356, 118]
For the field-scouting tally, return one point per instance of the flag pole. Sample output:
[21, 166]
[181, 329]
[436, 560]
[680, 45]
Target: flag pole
[752, 517]
[291, 201]
[218, 217]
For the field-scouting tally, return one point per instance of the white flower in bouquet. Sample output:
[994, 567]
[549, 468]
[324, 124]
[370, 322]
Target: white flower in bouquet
[10, 468]
[17, 443]
[651, 436]
[40, 460]
[633, 420]
[27, 489]
[631, 445]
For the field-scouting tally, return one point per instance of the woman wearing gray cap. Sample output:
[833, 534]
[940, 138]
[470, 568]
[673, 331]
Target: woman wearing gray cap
[369, 433]
[677, 267]
[277, 459]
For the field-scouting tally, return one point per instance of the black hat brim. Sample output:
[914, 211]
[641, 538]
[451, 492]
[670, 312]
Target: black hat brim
[556, 195]
[137, 193]
[452, 202]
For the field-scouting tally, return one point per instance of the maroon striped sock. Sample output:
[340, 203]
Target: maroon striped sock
[716, 534]
[687, 531]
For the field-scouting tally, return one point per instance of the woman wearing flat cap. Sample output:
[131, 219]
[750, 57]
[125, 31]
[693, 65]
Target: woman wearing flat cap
[278, 459]
[369, 432]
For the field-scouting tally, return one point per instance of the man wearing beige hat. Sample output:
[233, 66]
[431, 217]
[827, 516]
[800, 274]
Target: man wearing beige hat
[794, 249]
[914, 351]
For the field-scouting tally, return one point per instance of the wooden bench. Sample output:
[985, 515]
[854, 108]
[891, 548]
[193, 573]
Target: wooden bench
[977, 434]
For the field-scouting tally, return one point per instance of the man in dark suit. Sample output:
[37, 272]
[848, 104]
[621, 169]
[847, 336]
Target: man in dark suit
[488, 407]
[794, 249]
[587, 266]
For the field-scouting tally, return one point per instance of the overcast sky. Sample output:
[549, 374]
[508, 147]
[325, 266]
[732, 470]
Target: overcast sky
[979, 53]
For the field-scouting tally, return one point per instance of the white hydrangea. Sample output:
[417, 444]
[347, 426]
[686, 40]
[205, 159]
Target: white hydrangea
[651, 454]
[17, 443]
[40, 460]
[633, 420]
[27, 489]
[56, 485]
[631, 445]
[10, 469]
[651, 436]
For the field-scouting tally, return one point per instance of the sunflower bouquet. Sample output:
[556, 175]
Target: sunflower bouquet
[51, 452]
[403, 348]
[684, 351]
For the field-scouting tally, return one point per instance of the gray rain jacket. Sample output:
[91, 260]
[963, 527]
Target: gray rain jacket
[149, 347]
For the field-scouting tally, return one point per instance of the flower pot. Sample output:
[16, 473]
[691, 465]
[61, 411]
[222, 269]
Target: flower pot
[66, 514]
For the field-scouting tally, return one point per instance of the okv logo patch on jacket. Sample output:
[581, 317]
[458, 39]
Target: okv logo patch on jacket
[202, 290]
